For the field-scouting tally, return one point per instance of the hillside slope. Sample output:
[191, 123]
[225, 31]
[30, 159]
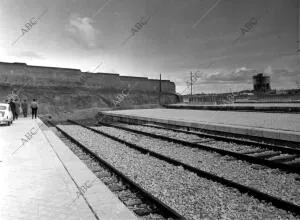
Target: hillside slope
[57, 100]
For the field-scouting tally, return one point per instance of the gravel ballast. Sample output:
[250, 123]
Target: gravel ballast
[271, 181]
[239, 148]
[184, 191]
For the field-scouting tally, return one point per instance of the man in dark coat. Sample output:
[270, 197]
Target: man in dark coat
[24, 106]
[34, 108]
[17, 103]
[13, 108]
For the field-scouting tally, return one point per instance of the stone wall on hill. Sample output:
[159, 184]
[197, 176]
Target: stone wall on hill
[22, 74]
[59, 89]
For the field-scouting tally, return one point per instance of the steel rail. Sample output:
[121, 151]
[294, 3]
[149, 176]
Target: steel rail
[279, 203]
[250, 159]
[229, 139]
[124, 119]
[168, 211]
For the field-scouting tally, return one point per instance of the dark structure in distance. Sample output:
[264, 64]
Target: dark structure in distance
[261, 83]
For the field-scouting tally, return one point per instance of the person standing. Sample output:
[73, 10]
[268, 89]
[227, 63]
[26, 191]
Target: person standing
[24, 108]
[34, 108]
[17, 103]
[13, 108]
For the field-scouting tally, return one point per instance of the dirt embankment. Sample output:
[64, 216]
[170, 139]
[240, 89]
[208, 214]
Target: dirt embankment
[66, 101]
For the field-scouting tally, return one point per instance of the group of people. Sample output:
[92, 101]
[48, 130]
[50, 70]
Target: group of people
[16, 108]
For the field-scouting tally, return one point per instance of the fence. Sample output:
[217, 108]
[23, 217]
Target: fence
[218, 99]
[212, 99]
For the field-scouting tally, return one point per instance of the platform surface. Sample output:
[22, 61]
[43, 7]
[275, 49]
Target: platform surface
[244, 104]
[40, 179]
[251, 107]
[270, 125]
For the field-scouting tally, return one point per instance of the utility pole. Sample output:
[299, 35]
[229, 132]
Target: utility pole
[159, 88]
[191, 85]
[160, 83]
[298, 49]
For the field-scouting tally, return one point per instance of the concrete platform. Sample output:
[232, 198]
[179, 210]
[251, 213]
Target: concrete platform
[251, 107]
[40, 179]
[267, 125]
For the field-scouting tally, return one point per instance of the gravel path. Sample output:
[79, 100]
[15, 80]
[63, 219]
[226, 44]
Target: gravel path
[270, 181]
[190, 195]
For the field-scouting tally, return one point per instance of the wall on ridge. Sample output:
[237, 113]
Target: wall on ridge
[22, 74]
[59, 90]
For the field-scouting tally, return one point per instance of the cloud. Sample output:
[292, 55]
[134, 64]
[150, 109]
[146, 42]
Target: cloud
[244, 75]
[28, 54]
[268, 70]
[239, 75]
[284, 75]
[82, 31]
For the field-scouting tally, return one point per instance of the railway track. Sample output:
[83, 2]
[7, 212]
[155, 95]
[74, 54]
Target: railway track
[141, 202]
[222, 136]
[279, 203]
[283, 158]
[290, 150]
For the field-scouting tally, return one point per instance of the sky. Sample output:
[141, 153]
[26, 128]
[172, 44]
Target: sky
[223, 42]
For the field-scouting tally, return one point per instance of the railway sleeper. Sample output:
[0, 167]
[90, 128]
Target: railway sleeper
[96, 169]
[78, 152]
[132, 202]
[155, 217]
[254, 151]
[295, 162]
[126, 193]
[265, 155]
[200, 140]
[109, 180]
[283, 158]
[102, 174]
[127, 197]
[230, 158]
[116, 187]
[141, 211]
[84, 157]
[84, 160]
[259, 167]
[81, 154]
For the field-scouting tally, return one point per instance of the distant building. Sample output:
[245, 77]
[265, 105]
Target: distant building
[281, 92]
[261, 83]
[186, 99]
